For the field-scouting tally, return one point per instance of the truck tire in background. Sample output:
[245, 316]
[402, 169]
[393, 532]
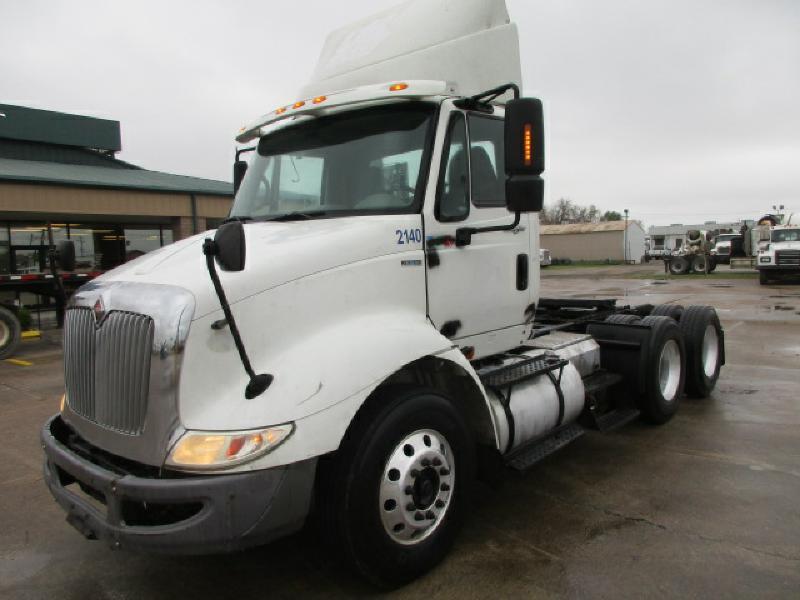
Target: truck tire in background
[679, 265]
[699, 262]
[673, 311]
[664, 370]
[704, 353]
[407, 461]
[10, 332]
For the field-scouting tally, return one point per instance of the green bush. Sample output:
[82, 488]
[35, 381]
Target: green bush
[25, 318]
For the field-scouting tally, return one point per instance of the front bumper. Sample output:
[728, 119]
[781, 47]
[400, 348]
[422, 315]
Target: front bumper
[184, 514]
[773, 268]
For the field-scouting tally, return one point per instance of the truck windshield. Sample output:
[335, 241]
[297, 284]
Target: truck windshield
[360, 162]
[786, 235]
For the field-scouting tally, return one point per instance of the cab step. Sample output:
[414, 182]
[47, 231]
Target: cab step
[519, 369]
[526, 457]
[616, 418]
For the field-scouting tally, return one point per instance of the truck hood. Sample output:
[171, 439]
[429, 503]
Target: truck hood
[778, 246]
[276, 253]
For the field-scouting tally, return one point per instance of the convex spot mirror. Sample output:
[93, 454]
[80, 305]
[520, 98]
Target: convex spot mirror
[524, 155]
[65, 255]
[230, 246]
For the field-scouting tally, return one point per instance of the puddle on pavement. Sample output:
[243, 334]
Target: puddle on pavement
[783, 307]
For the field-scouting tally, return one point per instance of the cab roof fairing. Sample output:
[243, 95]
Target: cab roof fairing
[364, 95]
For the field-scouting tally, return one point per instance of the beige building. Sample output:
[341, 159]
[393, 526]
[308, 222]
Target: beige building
[607, 241]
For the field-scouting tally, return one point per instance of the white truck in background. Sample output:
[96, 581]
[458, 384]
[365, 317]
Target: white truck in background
[779, 255]
[365, 334]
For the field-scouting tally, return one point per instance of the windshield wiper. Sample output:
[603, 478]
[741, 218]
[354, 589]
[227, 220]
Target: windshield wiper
[242, 219]
[297, 216]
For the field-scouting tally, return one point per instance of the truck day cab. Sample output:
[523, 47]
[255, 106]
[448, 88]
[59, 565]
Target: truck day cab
[780, 256]
[365, 334]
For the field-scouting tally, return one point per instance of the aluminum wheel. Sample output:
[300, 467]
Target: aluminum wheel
[710, 355]
[416, 487]
[669, 370]
[5, 334]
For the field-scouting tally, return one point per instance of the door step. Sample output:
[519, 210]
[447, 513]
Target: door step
[516, 371]
[526, 457]
[599, 381]
[616, 418]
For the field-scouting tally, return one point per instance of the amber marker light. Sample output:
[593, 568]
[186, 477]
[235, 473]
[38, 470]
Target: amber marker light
[280, 111]
[319, 99]
[527, 144]
[396, 87]
[63, 402]
[299, 103]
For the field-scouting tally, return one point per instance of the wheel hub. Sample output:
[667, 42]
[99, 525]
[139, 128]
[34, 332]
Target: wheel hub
[669, 370]
[710, 354]
[416, 487]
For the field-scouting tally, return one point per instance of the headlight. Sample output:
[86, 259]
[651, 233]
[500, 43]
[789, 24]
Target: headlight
[219, 449]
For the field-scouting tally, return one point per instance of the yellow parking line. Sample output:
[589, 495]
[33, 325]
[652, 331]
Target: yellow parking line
[19, 362]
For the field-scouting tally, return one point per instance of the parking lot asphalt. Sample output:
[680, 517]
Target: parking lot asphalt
[707, 505]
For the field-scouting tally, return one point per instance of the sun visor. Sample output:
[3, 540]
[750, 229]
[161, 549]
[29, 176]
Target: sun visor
[471, 44]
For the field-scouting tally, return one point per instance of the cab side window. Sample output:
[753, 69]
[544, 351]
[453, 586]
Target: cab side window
[453, 190]
[487, 161]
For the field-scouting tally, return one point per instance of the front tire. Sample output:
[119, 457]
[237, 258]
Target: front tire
[396, 490]
[10, 333]
[679, 265]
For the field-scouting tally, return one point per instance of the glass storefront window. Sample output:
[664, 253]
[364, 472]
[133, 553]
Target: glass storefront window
[98, 246]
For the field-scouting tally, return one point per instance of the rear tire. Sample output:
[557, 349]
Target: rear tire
[679, 265]
[673, 311]
[699, 262]
[704, 349]
[664, 370]
[10, 333]
[394, 494]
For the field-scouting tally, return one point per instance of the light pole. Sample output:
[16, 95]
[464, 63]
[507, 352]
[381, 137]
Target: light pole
[625, 239]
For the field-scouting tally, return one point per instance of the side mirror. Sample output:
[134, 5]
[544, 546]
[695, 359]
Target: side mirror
[239, 169]
[230, 244]
[65, 255]
[524, 155]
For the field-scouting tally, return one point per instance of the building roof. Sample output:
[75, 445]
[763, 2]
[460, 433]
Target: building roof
[103, 177]
[585, 227]
[51, 127]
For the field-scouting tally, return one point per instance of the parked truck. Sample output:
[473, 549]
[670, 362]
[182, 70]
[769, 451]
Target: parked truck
[779, 254]
[365, 334]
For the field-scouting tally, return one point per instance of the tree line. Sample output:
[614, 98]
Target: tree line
[567, 211]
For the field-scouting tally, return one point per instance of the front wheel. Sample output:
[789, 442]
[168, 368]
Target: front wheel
[396, 489]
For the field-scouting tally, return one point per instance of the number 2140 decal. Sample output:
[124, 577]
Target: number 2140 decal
[408, 236]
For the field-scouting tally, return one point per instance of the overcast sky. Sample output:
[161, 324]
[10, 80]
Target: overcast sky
[679, 110]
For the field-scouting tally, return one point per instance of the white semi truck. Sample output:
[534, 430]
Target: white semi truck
[365, 334]
[779, 256]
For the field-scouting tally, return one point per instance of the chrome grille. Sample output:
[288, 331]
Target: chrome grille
[107, 368]
[788, 258]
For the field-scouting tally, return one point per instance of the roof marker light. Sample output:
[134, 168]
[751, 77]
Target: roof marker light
[280, 111]
[396, 87]
[319, 99]
[299, 103]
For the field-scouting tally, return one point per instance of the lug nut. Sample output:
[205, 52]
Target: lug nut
[437, 462]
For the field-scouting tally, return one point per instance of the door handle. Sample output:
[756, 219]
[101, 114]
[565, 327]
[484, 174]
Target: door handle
[522, 272]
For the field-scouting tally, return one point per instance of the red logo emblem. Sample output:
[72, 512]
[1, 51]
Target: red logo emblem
[99, 311]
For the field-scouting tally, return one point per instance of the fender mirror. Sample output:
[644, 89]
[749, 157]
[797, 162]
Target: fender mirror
[230, 246]
[239, 169]
[524, 155]
[65, 255]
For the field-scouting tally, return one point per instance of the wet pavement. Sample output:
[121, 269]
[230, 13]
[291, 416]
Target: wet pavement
[705, 506]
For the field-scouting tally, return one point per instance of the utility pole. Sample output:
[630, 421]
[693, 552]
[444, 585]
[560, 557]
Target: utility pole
[625, 239]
